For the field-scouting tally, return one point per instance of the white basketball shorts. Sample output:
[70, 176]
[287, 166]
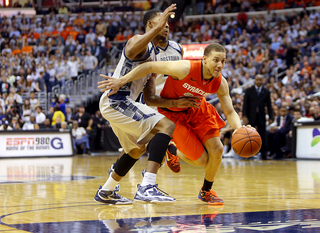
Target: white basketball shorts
[131, 121]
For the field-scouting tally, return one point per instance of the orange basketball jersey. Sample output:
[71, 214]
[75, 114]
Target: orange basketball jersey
[192, 85]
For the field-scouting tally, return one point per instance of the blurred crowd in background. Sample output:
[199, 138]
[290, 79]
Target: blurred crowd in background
[38, 53]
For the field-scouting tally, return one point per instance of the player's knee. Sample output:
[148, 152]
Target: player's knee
[137, 153]
[166, 126]
[219, 151]
[216, 151]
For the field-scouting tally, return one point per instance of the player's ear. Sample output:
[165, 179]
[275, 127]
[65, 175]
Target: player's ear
[204, 59]
[150, 24]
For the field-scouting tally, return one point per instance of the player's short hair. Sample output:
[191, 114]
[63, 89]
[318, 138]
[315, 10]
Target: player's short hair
[214, 47]
[149, 15]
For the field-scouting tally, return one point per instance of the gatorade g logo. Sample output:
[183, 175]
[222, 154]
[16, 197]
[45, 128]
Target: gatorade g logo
[56, 143]
[316, 137]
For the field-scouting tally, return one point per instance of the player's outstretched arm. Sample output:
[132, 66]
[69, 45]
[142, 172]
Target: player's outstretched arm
[178, 69]
[227, 107]
[152, 99]
[138, 43]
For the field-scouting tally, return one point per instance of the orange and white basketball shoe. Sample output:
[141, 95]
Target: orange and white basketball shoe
[172, 160]
[210, 197]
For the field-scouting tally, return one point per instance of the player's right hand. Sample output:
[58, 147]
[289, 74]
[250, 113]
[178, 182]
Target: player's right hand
[187, 102]
[165, 15]
[110, 83]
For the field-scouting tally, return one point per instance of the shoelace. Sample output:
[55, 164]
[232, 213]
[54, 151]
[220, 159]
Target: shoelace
[161, 192]
[175, 160]
[207, 193]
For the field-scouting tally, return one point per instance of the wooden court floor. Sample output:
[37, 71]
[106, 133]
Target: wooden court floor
[56, 195]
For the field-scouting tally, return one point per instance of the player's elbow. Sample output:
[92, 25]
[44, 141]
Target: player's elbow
[130, 53]
[149, 100]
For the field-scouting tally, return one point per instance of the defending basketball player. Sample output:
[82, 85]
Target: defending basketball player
[135, 123]
[197, 128]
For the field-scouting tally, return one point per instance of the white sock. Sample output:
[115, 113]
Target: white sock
[149, 178]
[110, 184]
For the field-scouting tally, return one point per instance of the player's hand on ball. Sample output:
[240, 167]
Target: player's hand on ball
[110, 83]
[248, 126]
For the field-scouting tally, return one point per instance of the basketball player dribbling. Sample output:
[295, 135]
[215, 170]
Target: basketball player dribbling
[197, 128]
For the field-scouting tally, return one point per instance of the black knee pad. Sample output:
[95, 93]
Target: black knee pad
[124, 164]
[158, 147]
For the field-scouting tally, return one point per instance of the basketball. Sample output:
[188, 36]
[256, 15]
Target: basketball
[246, 142]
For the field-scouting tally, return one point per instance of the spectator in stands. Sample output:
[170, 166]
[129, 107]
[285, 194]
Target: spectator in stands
[34, 103]
[83, 118]
[120, 37]
[90, 36]
[297, 117]
[60, 72]
[98, 123]
[242, 18]
[29, 125]
[26, 110]
[64, 125]
[89, 62]
[209, 9]
[69, 115]
[70, 47]
[78, 21]
[10, 113]
[4, 85]
[41, 83]
[16, 122]
[60, 103]
[36, 126]
[101, 28]
[50, 113]
[63, 10]
[200, 6]
[40, 116]
[5, 126]
[2, 111]
[74, 64]
[81, 137]
[95, 50]
[50, 77]
[47, 124]
[316, 115]
[58, 123]
[101, 39]
[57, 113]
[278, 131]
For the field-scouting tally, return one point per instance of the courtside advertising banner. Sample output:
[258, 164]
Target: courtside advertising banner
[308, 142]
[193, 51]
[34, 144]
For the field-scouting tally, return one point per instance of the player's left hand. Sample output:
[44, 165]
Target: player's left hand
[110, 83]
